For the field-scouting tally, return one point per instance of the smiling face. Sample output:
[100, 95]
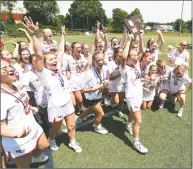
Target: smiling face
[146, 58]
[51, 62]
[47, 34]
[85, 49]
[153, 47]
[25, 56]
[182, 45]
[8, 75]
[133, 57]
[153, 70]
[7, 56]
[23, 45]
[114, 43]
[98, 60]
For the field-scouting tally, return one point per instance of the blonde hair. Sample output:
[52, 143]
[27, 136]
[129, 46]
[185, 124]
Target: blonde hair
[46, 54]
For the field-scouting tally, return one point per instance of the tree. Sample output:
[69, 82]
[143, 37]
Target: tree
[138, 13]
[177, 24]
[189, 25]
[84, 14]
[42, 11]
[59, 20]
[118, 16]
[9, 4]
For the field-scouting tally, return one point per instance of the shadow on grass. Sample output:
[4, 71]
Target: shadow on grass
[170, 107]
[117, 128]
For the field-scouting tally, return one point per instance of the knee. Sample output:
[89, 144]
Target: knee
[46, 144]
[71, 127]
[137, 123]
[162, 96]
[101, 114]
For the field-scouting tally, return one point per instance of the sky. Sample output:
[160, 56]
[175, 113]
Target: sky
[152, 11]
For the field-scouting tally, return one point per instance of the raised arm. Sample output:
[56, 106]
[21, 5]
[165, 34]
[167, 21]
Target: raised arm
[34, 29]
[97, 34]
[160, 40]
[141, 44]
[16, 51]
[26, 34]
[124, 35]
[105, 38]
[125, 53]
[61, 47]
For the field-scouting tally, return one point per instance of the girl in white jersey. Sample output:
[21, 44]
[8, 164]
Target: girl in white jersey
[116, 81]
[133, 93]
[20, 132]
[163, 75]
[177, 89]
[149, 87]
[76, 65]
[59, 97]
[93, 89]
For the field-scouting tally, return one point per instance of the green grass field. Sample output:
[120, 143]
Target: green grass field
[168, 138]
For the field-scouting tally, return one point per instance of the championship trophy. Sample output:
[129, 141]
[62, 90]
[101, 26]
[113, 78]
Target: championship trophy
[133, 25]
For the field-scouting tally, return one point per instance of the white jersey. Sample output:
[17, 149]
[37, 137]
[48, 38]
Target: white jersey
[116, 85]
[45, 46]
[32, 83]
[16, 116]
[152, 87]
[163, 79]
[133, 85]
[110, 53]
[76, 69]
[154, 57]
[93, 77]
[56, 86]
[178, 84]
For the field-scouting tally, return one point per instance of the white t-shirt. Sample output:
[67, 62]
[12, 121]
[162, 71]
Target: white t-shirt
[58, 95]
[13, 112]
[133, 85]
[115, 68]
[178, 84]
[32, 83]
[184, 55]
[93, 77]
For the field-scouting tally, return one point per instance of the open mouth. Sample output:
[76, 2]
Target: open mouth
[11, 73]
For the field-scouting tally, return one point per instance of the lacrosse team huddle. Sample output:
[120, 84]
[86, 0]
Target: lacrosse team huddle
[46, 84]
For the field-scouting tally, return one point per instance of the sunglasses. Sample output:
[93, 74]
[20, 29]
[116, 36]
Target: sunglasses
[184, 45]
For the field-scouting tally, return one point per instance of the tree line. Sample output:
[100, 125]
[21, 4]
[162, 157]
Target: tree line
[83, 15]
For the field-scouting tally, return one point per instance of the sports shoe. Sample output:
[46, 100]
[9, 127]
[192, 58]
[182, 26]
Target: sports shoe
[180, 112]
[101, 130]
[39, 159]
[120, 114]
[161, 105]
[129, 129]
[10, 162]
[78, 121]
[53, 145]
[139, 147]
[76, 147]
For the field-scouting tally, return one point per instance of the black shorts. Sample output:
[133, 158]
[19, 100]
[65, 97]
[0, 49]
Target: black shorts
[87, 103]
